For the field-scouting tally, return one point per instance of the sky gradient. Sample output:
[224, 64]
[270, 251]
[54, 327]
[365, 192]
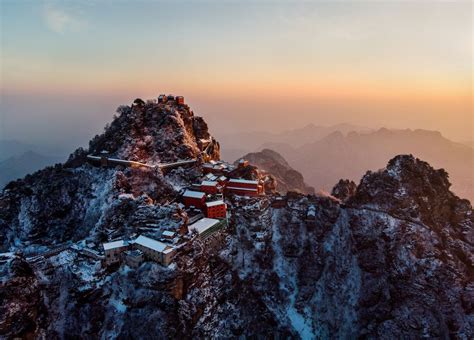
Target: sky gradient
[66, 66]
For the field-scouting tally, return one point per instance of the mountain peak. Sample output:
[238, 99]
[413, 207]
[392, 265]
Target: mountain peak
[152, 132]
[411, 187]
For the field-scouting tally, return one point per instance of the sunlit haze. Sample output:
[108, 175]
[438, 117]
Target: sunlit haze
[66, 66]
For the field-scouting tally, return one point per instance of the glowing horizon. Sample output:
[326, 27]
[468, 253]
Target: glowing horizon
[370, 54]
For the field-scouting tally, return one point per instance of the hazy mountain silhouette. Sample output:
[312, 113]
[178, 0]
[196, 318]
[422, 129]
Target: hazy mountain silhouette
[28, 162]
[237, 144]
[10, 148]
[336, 156]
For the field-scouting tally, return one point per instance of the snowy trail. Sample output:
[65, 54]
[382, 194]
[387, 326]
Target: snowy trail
[287, 275]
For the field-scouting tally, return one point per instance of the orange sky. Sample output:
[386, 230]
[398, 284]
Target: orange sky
[260, 66]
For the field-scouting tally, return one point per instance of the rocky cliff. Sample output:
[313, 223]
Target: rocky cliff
[287, 178]
[74, 200]
[392, 259]
[395, 261]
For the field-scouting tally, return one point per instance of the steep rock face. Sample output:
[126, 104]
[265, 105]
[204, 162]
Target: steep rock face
[154, 132]
[414, 242]
[287, 178]
[411, 188]
[71, 201]
[344, 189]
[369, 268]
[21, 307]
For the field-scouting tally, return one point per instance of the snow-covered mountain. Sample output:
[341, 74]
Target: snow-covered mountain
[391, 258]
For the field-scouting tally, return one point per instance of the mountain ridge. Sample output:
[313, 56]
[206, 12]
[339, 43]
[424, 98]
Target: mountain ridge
[390, 258]
[337, 156]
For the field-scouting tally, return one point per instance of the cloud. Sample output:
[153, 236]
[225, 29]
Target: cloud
[60, 20]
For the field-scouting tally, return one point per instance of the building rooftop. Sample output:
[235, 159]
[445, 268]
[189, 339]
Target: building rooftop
[239, 188]
[203, 224]
[135, 253]
[115, 244]
[194, 194]
[214, 203]
[151, 243]
[311, 210]
[168, 233]
[209, 183]
[240, 180]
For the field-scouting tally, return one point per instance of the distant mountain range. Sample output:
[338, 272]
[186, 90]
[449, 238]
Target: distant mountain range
[18, 159]
[323, 162]
[237, 144]
[28, 162]
[10, 148]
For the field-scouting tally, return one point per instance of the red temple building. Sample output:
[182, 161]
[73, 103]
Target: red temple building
[180, 100]
[244, 187]
[216, 209]
[194, 198]
[210, 187]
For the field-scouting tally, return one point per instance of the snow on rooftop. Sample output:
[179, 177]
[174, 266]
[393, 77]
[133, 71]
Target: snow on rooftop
[194, 194]
[239, 188]
[115, 244]
[311, 210]
[151, 243]
[240, 180]
[203, 224]
[214, 203]
[209, 183]
[135, 253]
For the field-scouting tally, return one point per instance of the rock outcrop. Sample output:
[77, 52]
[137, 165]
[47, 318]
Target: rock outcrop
[372, 267]
[71, 201]
[287, 178]
[344, 189]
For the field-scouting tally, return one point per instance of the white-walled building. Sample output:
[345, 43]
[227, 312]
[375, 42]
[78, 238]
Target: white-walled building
[155, 250]
[113, 251]
[207, 226]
